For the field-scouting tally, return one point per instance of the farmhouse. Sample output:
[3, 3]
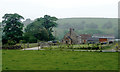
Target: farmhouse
[71, 38]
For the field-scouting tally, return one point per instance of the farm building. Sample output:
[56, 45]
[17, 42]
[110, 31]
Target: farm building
[71, 38]
[92, 40]
[104, 38]
[84, 37]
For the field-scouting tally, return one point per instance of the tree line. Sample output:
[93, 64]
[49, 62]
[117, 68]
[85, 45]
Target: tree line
[39, 30]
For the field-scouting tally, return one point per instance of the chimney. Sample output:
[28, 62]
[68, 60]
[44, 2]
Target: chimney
[71, 31]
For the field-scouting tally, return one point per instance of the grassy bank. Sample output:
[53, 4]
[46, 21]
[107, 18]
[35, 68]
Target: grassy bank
[58, 60]
[30, 45]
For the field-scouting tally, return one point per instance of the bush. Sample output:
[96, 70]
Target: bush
[11, 47]
[11, 42]
[22, 41]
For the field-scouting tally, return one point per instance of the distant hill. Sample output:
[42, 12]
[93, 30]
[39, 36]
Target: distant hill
[87, 25]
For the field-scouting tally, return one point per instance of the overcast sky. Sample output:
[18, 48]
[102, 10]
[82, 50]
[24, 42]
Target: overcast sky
[60, 8]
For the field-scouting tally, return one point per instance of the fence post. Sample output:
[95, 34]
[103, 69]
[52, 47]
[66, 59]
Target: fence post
[21, 43]
[28, 45]
[116, 48]
[52, 44]
[101, 49]
[24, 46]
[38, 45]
[88, 47]
[72, 48]
[58, 45]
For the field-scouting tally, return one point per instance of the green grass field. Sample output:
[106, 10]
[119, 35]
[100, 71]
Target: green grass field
[58, 60]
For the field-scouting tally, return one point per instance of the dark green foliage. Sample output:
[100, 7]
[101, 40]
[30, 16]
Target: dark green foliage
[37, 24]
[12, 28]
[32, 30]
[11, 47]
[40, 29]
[42, 34]
[11, 42]
[49, 22]
[35, 31]
[28, 37]
[32, 39]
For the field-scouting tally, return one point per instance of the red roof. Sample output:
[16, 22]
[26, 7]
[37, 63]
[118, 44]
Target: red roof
[85, 36]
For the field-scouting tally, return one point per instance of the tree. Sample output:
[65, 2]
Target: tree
[13, 27]
[29, 37]
[41, 28]
[49, 22]
[35, 31]
[41, 34]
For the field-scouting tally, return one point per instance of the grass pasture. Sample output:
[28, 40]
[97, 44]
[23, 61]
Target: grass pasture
[58, 60]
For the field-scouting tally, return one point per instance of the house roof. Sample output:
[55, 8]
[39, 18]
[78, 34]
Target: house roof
[71, 33]
[85, 36]
[69, 37]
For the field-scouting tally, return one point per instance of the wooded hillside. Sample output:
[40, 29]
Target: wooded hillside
[87, 25]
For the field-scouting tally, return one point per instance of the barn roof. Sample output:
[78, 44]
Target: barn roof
[93, 39]
[103, 36]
